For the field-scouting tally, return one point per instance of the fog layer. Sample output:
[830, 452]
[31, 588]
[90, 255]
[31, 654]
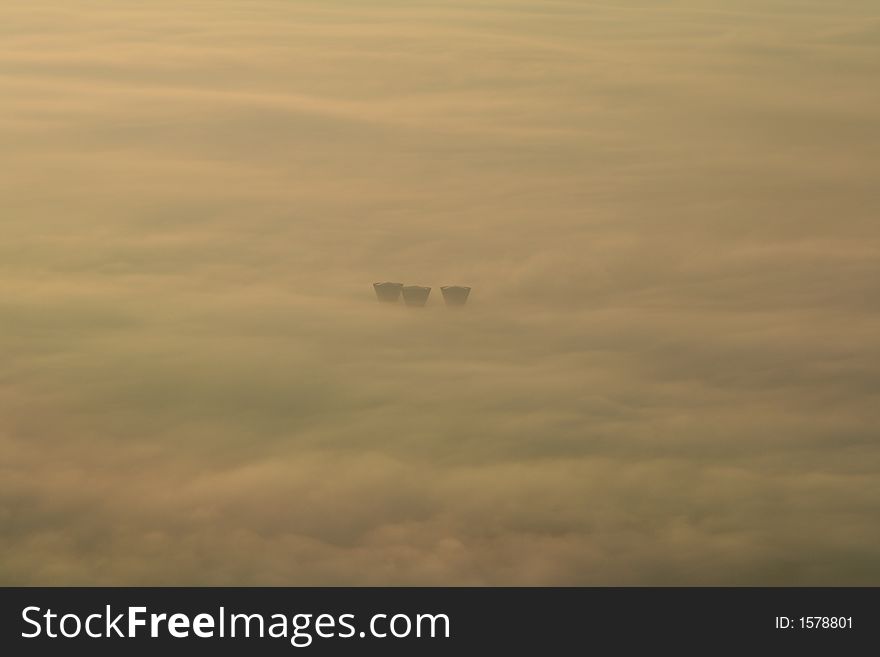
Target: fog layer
[668, 368]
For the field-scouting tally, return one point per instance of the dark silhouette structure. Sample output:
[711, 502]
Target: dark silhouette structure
[388, 292]
[415, 295]
[455, 295]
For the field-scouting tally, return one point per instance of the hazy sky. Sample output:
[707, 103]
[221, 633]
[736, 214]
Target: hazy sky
[669, 368]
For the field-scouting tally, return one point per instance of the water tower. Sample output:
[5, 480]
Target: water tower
[455, 295]
[415, 295]
[388, 292]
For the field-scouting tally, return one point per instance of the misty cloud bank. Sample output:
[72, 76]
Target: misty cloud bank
[668, 371]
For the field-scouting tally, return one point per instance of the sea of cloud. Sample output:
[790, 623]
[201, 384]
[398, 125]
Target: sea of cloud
[669, 368]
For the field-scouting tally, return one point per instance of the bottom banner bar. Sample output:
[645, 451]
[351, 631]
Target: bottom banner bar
[429, 621]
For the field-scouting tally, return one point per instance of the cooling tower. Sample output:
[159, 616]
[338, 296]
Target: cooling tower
[388, 292]
[416, 295]
[455, 295]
